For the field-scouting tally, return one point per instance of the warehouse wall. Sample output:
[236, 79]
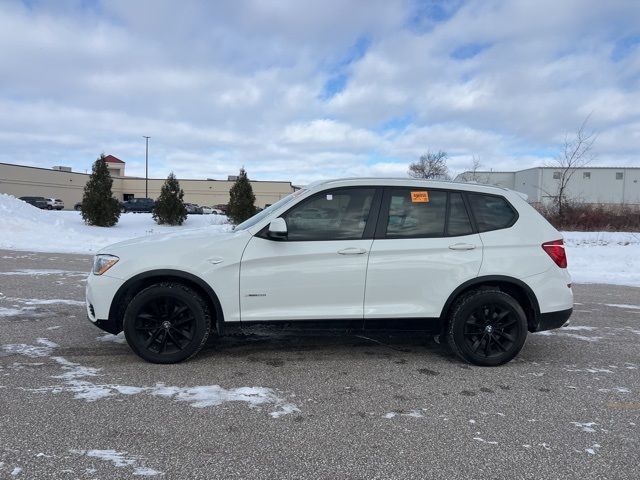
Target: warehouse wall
[21, 181]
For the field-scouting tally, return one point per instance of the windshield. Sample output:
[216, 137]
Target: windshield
[267, 211]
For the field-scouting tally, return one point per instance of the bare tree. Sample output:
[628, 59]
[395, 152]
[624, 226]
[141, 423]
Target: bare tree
[577, 153]
[472, 175]
[431, 165]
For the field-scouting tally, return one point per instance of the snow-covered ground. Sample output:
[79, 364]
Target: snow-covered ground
[594, 257]
[24, 227]
[604, 257]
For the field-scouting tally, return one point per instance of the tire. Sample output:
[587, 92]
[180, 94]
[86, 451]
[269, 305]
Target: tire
[49, 207]
[159, 336]
[487, 328]
[77, 209]
[123, 210]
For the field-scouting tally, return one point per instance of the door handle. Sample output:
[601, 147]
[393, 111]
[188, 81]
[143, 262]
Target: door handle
[352, 251]
[462, 246]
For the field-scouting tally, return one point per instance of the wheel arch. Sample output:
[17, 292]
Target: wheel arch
[138, 282]
[513, 286]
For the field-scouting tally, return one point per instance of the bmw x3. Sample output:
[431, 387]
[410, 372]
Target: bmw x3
[475, 264]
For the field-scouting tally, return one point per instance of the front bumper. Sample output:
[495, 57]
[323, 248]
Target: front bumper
[101, 289]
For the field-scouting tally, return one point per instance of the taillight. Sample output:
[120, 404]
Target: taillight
[555, 250]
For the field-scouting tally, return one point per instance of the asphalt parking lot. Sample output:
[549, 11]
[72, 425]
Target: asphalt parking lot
[77, 403]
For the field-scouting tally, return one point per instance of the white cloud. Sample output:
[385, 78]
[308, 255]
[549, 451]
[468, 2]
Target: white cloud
[219, 86]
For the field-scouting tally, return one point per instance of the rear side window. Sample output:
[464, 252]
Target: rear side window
[491, 212]
[416, 213]
[459, 223]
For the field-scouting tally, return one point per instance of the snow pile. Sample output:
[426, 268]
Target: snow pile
[25, 227]
[604, 257]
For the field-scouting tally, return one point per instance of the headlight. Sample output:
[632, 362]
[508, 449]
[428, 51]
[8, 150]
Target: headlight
[102, 263]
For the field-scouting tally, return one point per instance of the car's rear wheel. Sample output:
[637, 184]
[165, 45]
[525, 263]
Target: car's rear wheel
[487, 328]
[167, 323]
[49, 207]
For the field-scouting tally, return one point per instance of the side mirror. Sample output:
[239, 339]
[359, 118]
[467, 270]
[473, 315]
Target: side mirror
[278, 228]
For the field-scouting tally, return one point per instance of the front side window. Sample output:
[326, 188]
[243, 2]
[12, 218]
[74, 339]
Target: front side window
[339, 214]
[491, 212]
[416, 213]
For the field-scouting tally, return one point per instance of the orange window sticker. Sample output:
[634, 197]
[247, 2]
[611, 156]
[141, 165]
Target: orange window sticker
[419, 197]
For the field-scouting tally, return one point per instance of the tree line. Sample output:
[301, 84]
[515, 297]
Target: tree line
[576, 152]
[100, 208]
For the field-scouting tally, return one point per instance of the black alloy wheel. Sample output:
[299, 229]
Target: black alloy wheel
[488, 327]
[167, 323]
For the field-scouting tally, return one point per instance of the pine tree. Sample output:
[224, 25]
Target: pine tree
[169, 208]
[99, 208]
[241, 199]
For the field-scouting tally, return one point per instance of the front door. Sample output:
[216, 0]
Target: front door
[318, 272]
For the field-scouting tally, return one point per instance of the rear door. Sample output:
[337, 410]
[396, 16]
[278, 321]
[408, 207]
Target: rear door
[425, 246]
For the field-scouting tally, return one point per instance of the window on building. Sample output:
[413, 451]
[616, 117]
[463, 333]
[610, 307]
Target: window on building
[586, 175]
[619, 175]
[556, 175]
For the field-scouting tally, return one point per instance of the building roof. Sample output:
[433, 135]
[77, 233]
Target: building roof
[112, 159]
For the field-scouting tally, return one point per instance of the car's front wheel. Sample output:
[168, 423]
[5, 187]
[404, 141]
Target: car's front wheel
[167, 323]
[487, 327]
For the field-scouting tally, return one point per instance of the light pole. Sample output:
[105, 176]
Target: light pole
[146, 167]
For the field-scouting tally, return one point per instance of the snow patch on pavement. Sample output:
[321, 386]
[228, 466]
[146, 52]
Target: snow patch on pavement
[622, 305]
[120, 460]
[410, 413]
[75, 381]
[15, 312]
[30, 350]
[586, 427]
[112, 338]
[34, 272]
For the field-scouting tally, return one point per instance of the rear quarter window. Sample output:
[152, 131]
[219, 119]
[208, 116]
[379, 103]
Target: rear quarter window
[492, 212]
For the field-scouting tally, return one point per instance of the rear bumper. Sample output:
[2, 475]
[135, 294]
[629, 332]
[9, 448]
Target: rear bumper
[551, 320]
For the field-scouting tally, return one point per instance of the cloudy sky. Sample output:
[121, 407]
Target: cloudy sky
[302, 90]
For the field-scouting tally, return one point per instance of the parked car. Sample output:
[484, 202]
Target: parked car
[39, 202]
[223, 207]
[473, 263]
[137, 205]
[211, 211]
[193, 209]
[54, 204]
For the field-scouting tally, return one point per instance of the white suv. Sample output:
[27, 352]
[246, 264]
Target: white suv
[475, 263]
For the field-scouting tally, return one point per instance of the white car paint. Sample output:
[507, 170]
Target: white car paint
[258, 279]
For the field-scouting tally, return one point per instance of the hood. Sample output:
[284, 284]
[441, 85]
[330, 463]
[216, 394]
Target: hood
[180, 239]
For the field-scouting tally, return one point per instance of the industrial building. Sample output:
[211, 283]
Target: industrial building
[595, 185]
[61, 182]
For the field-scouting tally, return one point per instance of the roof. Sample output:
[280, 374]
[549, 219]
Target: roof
[112, 159]
[405, 182]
